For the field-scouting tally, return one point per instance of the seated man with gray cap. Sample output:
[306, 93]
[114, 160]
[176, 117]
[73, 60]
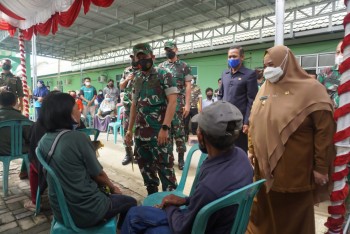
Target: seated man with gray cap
[226, 169]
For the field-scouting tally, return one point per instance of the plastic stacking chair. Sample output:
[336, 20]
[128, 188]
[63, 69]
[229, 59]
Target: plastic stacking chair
[156, 198]
[116, 125]
[16, 128]
[242, 197]
[90, 131]
[68, 225]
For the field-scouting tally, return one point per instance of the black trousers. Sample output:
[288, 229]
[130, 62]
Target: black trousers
[193, 112]
[242, 141]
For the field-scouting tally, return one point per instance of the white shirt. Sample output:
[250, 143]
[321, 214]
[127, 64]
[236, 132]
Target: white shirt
[207, 102]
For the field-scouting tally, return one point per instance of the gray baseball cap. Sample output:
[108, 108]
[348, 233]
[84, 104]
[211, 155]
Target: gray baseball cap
[214, 118]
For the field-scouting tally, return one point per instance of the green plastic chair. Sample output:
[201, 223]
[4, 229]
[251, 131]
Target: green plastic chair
[116, 125]
[90, 132]
[68, 225]
[242, 197]
[16, 127]
[156, 198]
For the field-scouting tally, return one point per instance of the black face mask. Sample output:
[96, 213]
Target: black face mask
[145, 64]
[170, 54]
[209, 96]
[111, 85]
[6, 67]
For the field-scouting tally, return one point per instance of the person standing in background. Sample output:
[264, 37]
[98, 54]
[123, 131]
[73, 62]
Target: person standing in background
[88, 95]
[209, 100]
[112, 91]
[39, 93]
[196, 107]
[239, 87]
[181, 71]
[216, 92]
[330, 77]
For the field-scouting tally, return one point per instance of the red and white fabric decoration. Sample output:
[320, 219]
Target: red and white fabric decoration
[23, 75]
[42, 16]
[337, 209]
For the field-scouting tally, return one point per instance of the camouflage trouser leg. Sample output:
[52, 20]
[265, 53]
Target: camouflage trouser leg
[178, 132]
[126, 119]
[152, 160]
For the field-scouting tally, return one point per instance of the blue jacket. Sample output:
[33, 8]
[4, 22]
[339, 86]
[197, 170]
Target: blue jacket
[239, 89]
[39, 92]
[218, 177]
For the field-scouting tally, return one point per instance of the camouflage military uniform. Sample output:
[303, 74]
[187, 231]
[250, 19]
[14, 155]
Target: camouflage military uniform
[127, 98]
[149, 93]
[13, 84]
[195, 95]
[182, 73]
[330, 78]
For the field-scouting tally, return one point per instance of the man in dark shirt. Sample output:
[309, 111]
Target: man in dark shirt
[8, 112]
[11, 83]
[239, 88]
[226, 169]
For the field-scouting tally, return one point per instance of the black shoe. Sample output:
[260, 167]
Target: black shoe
[181, 164]
[126, 160]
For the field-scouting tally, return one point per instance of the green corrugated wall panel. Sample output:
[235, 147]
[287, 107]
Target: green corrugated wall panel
[209, 68]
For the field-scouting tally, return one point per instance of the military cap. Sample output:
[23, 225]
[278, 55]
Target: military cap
[142, 48]
[170, 44]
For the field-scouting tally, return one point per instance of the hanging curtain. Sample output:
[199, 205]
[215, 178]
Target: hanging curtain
[42, 16]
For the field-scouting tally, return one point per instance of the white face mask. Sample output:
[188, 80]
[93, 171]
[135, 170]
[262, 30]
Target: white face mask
[192, 81]
[338, 59]
[87, 83]
[273, 74]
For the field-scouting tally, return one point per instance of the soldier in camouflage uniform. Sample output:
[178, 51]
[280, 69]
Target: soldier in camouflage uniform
[196, 102]
[153, 107]
[330, 77]
[181, 71]
[126, 84]
[11, 83]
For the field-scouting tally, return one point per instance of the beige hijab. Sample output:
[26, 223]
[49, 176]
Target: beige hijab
[280, 108]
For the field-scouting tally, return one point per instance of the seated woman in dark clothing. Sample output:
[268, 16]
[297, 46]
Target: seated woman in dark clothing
[77, 168]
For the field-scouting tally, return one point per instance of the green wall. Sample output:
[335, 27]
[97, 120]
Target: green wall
[209, 67]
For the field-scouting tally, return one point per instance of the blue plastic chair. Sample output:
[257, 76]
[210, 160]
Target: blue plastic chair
[68, 225]
[156, 198]
[116, 125]
[242, 197]
[90, 131]
[16, 128]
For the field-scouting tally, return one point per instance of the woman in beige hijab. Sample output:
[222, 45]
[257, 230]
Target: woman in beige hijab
[291, 130]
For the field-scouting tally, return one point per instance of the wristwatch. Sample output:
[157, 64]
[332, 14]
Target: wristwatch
[165, 127]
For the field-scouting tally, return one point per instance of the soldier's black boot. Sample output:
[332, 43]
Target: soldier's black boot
[181, 161]
[128, 157]
[152, 189]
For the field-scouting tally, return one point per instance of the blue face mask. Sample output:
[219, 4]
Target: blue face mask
[233, 63]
